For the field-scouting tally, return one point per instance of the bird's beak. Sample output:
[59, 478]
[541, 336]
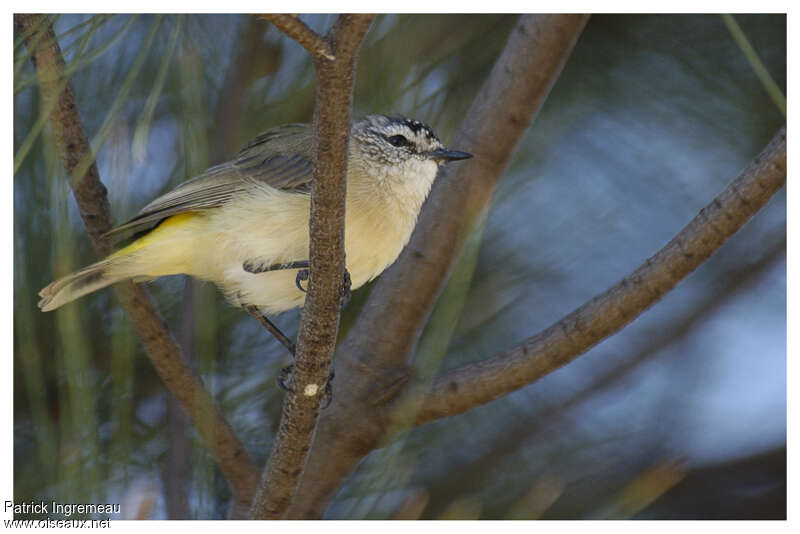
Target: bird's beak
[444, 155]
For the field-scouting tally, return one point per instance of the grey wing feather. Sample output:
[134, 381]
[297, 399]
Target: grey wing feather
[279, 158]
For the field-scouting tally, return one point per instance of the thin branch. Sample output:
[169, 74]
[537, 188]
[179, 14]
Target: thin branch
[470, 475]
[320, 319]
[475, 384]
[90, 194]
[293, 27]
[370, 366]
[58, 95]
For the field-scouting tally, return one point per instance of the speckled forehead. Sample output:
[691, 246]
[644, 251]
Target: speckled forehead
[422, 131]
[417, 132]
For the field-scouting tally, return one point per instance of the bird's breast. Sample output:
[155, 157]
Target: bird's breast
[374, 239]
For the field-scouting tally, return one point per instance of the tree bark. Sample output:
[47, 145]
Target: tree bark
[371, 365]
[335, 61]
[471, 385]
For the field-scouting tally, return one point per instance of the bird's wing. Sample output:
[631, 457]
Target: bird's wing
[279, 158]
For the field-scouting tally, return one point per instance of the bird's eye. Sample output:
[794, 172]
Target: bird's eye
[398, 140]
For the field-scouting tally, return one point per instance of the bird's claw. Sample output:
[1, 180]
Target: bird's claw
[327, 397]
[346, 289]
[284, 376]
[302, 275]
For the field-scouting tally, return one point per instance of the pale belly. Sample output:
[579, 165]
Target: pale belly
[215, 245]
[368, 251]
[273, 292]
[276, 291]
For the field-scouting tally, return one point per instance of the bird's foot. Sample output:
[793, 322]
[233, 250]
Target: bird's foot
[302, 276]
[284, 376]
[347, 293]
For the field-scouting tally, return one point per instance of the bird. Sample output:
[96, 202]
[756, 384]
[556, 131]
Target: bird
[243, 224]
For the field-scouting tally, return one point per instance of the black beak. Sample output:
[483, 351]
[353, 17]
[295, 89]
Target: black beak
[444, 155]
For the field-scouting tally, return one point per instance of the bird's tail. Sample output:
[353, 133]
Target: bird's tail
[161, 252]
[80, 283]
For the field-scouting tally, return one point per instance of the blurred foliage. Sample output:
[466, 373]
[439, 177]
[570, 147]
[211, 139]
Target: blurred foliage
[652, 116]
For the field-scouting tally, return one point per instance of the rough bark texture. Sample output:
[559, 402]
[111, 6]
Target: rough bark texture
[320, 319]
[472, 385]
[370, 368]
[90, 194]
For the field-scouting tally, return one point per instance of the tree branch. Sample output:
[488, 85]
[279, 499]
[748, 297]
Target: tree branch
[399, 305]
[370, 365]
[472, 474]
[320, 319]
[296, 29]
[474, 384]
[90, 194]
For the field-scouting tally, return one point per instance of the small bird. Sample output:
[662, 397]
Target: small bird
[244, 224]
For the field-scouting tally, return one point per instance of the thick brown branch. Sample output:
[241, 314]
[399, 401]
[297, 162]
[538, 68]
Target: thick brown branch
[90, 194]
[296, 29]
[370, 364]
[472, 385]
[320, 319]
